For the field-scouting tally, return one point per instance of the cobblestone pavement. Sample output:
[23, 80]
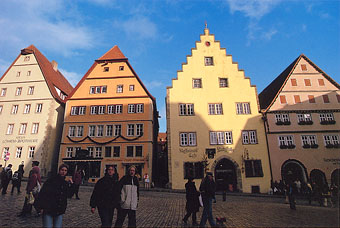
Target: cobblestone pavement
[164, 209]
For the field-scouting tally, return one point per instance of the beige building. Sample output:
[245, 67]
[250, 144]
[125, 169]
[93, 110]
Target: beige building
[214, 124]
[32, 99]
[302, 112]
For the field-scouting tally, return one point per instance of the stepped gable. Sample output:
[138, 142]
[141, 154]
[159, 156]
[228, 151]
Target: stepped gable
[52, 77]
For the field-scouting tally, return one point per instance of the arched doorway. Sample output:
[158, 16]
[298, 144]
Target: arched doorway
[335, 177]
[318, 177]
[293, 170]
[225, 175]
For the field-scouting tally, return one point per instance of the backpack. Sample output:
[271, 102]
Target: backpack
[15, 176]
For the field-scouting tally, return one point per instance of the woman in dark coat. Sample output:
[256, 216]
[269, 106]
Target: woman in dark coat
[52, 199]
[193, 204]
[105, 196]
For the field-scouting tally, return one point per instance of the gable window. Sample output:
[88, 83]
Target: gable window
[131, 87]
[223, 82]
[14, 109]
[307, 82]
[243, 108]
[3, 92]
[293, 82]
[311, 99]
[331, 141]
[297, 99]
[29, 73]
[98, 89]
[38, 108]
[321, 82]
[282, 119]
[286, 142]
[186, 109]
[305, 119]
[119, 88]
[121, 68]
[196, 83]
[18, 74]
[35, 128]
[193, 170]
[131, 108]
[325, 99]
[215, 109]
[18, 91]
[208, 61]
[249, 137]
[221, 137]
[92, 90]
[283, 99]
[10, 128]
[326, 118]
[303, 67]
[26, 59]
[253, 168]
[27, 108]
[31, 150]
[30, 90]
[309, 141]
[187, 139]
[106, 69]
[23, 127]
[69, 152]
[18, 152]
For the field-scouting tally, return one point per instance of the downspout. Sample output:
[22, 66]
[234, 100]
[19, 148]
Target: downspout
[266, 129]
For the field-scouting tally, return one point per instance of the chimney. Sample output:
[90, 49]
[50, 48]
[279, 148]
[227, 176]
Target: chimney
[54, 65]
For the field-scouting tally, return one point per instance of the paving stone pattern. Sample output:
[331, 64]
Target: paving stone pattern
[165, 209]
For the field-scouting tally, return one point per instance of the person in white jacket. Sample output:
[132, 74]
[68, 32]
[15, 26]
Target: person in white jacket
[129, 196]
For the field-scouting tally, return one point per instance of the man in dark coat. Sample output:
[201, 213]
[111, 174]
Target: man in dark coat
[6, 177]
[105, 196]
[207, 189]
[52, 199]
[193, 204]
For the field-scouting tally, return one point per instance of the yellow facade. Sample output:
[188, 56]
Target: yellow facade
[111, 73]
[205, 119]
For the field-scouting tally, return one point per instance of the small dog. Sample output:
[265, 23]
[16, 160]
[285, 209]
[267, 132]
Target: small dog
[220, 221]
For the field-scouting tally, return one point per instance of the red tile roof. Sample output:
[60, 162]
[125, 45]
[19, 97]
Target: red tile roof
[113, 53]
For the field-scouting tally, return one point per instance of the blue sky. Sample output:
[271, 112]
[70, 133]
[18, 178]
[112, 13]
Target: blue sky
[263, 36]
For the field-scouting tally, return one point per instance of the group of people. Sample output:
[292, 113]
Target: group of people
[7, 175]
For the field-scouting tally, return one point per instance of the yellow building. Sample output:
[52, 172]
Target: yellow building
[110, 118]
[213, 123]
[32, 101]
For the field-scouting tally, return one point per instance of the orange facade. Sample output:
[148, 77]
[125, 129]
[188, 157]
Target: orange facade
[110, 119]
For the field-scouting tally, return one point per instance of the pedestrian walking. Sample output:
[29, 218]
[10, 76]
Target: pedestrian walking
[309, 192]
[193, 204]
[105, 196]
[6, 177]
[292, 191]
[16, 181]
[77, 180]
[146, 181]
[129, 193]
[207, 189]
[52, 199]
[32, 189]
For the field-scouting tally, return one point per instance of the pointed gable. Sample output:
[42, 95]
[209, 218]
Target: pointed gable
[113, 54]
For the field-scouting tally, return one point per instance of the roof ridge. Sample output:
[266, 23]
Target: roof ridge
[113, 53]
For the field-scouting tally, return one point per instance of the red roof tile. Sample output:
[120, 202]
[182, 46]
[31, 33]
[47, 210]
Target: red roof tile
[113, 53]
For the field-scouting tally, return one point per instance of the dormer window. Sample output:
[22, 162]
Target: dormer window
[303, 67]
[106, 69]
[208, 61]
[121, 68]
[26, 59]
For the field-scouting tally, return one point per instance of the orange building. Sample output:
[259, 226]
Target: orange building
[110, 118]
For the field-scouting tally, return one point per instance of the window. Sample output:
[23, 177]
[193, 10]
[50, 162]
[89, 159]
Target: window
[98, 153]
[106, 69]
[109, 130]
[1, 107]
[188, 139]
[10, 128]
[297, 99]
[221, 137]
[139, 151]
[92, 130]
[311, 99]
[131, 87]
[31, 150]
[326, 118]
[223, 82]
[282, 119]
[80, 131]
[283, 99]
[196, 83]
[338, 98]
[90, 149]
[303, 67]
[325, 99]
[100, 130]
[321, 82]
[116, 151]
[29, 73]
[253, 168]
[69, 152]
[92, 89]
[121, 68]
[35, 128]
[134, 151]
[249, 137]
[309, 141]
[215, 109]
[72, 131]
[5, 152]
[27, 108]
[130, 130]
[30, 90]
[139, 129]
[27, 58]
[243, 108]
[118, 129]
[193, 170]
[305, 119]
[129, 151]
[101, 109]
[331, 141]
[186, 109]
[93, 110]
[135, 108]
[14, 109]
[78, 110]
[307, 82]
[114, 109]
[23, 127]
[18, 152]
[208, 61]
[98, 89]
[119, 88]
[286, 142]
[18, 91]
[293, 82]
[108, 151]
[3, 92]
[38, 108]
[18, 74]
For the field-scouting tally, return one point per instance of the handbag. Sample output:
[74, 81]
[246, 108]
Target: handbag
[37, 188]
[200, 199]
[30, 198]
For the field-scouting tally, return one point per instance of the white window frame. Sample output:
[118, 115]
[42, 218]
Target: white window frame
[90, 149]
[130, 130]
[92, 130]
[4, 152]
[286, 140]
[10, 128]
[3, 92]
[100, 130]
[18, 152]
[1, 108]
[98, 152]
[94, 110]
[215, 109]
[139, 108]
[18, 91]
[35, 128]
[223, 82]
[30, 90]
[80, 131]
[119, 88]
[208, 61]
[69, 152]
[117, 129]
[23, 128]
[243, 108]
[197, 83]
[331, 139]
[101, 109]
[14, 109]
[249, 137]
[72, 131]
[139, 129]
[328, 116]
[38, 108]
[131, 108]
[131, 87]
[188, 139]
[31, 150]
[109, 130]
[27, 108]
